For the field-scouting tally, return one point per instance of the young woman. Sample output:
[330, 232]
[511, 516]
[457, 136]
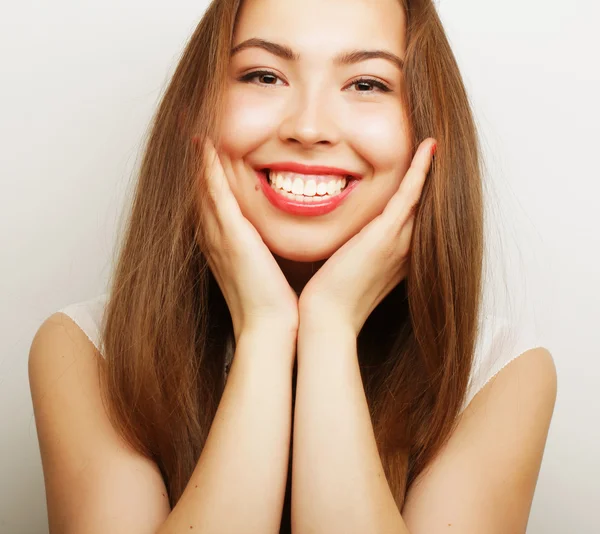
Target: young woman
[294, 338]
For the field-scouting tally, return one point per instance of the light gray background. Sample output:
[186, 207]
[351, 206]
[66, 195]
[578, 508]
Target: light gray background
[79, 83]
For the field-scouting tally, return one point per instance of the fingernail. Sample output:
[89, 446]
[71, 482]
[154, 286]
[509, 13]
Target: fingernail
[433, 148]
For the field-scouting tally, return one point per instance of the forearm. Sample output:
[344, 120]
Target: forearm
[239, 482]
[338, 482]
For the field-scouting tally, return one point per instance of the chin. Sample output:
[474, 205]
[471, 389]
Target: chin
[302, 248]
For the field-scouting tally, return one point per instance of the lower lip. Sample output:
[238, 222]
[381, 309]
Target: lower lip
[303, 208]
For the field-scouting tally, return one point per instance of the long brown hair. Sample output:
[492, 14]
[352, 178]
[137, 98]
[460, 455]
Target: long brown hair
[166, 322]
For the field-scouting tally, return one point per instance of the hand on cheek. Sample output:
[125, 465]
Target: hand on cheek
[355, 279]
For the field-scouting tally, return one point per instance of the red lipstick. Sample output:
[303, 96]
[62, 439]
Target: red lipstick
[295, 207]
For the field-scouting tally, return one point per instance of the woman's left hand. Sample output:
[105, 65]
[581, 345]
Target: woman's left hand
[357, 277]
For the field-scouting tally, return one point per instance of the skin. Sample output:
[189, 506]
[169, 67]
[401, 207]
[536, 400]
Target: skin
[310, 111]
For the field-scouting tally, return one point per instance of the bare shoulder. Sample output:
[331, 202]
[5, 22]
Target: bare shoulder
[492, 460]
[531, 377]
[94, 481]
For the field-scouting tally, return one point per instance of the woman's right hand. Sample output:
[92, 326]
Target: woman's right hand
[255, 289]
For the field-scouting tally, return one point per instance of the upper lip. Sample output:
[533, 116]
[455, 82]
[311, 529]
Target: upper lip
[300, 168]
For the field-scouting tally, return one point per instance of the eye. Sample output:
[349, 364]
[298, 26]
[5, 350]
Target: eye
[258, 74]
[370, 81]
[381, 87]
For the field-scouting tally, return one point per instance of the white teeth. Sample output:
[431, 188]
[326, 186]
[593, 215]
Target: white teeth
[299, 198]
[310, 188]
[304, 185]
[298, 186]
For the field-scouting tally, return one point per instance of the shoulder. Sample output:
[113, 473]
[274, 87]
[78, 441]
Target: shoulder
[500, 341]
[492, 460]
[507, 422]
[531, 377]
[57, 344]
[88, 468]
[539, 361]
[64, 374]
[61, 328]
[88, 315]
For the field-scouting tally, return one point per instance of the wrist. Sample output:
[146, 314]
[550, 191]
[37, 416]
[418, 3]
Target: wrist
[275, 341]
[322, 322]
[318, 335]
[279, 329]
[280, 326]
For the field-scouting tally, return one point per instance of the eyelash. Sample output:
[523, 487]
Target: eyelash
[380, 85]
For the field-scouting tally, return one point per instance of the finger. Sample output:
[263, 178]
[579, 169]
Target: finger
[389, 246]
[214, 173]
[210, 224]
[206, 189]
[217, 184]
[405, 200]
[242, 172]
[405, 242]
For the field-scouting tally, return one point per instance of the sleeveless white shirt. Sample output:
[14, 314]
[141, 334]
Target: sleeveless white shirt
[499, 341]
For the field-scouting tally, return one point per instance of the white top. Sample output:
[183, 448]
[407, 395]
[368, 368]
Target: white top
[499, 341]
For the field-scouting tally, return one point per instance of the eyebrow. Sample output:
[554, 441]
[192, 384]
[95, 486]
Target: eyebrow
[349, 57]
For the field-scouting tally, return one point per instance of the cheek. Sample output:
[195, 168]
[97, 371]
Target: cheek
[384, 143]
[382, 140]
[247, 123]
[383, 130]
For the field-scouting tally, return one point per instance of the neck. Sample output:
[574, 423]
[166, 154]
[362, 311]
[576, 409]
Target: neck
[298, 273]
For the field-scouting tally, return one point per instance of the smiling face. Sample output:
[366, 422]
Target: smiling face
[316, 111]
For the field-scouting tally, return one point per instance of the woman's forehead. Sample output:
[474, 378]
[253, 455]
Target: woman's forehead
[324, 24]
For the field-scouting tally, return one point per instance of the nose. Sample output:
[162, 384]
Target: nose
[309, 121]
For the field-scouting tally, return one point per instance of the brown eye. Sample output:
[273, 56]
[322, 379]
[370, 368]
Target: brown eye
[264, 74]
[371, 82]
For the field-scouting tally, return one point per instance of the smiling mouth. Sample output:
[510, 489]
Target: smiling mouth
[307, 187]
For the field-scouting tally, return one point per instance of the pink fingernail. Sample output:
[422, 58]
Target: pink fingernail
[433, 149]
